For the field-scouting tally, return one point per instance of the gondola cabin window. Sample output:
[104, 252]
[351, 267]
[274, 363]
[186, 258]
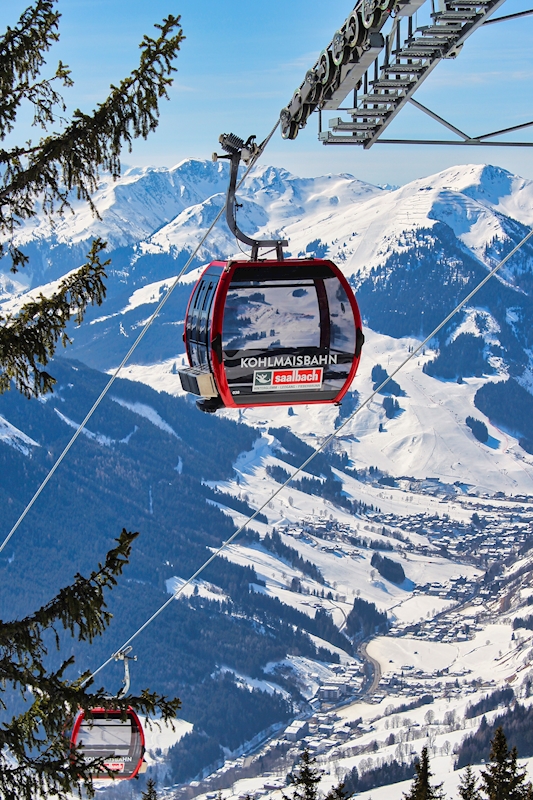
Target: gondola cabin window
[276, 317]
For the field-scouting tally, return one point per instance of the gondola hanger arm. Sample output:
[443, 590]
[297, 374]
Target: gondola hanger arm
[238, 150]
[124, 655]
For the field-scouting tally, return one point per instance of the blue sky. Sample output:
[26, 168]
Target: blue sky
[240, 64]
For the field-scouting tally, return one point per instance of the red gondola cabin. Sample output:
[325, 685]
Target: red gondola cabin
[265, 333]
[120, 742]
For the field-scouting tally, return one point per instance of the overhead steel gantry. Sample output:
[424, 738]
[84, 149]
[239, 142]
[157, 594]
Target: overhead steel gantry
[350, 64]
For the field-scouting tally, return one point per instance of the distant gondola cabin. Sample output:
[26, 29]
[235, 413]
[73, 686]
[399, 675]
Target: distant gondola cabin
[106, 734]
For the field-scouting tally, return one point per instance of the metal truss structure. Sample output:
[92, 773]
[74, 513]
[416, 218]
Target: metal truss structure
[350, 65]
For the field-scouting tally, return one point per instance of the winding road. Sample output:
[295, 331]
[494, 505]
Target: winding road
[371, 681]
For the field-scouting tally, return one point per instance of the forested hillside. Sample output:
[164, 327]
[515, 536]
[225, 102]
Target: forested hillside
[140, 465]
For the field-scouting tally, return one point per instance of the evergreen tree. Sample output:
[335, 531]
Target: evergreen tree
[502, 779]
[305, 779]
[339, 792]
[468, 789]
[150, 792]
[36, 760]
[421, 788]
[58, 166]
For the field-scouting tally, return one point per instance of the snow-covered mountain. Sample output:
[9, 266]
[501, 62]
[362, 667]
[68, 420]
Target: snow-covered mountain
[482, 206]
[153, 218]
[159, 210]
[416, 483]
[164, 211]
[411, 253]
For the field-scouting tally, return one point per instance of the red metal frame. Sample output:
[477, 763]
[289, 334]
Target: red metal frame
[219, 303]
[111, 712]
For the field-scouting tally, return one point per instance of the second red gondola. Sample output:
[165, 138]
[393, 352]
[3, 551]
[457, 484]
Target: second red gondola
[107, 735]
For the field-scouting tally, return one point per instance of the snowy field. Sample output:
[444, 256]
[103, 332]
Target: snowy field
[428, 439]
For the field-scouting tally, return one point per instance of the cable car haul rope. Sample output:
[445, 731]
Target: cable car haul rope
[258, 151]
[318, 450]
[130, 724]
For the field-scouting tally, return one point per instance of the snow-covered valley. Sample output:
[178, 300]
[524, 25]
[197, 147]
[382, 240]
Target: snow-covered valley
[416, 487]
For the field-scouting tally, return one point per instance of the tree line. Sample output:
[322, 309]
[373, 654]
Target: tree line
[501, 697]
[518, 724]
[508, 405]
[390, 570]
[501, 779]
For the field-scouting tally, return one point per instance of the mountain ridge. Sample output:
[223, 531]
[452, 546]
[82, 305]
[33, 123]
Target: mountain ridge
[408, 261]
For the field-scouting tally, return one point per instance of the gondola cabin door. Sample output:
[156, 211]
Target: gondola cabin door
[271, 333]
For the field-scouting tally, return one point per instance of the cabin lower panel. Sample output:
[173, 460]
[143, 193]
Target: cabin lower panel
[300, 397]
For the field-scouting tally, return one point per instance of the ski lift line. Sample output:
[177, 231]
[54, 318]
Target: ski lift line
[318, 450]
[134, 346]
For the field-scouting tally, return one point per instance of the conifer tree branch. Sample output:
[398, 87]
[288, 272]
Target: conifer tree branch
[30, 338]
[77, 607]
[71, 161]
[502, 778]
[44, 98]
[60, 166]
[22, 55]
[36, 759]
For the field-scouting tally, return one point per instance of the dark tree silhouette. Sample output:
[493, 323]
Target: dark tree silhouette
[478, 428]
[468, 787]
[502, 779]
[421, 788]
[390, 570]
[305, 778]
[338, 792]
[150, 792]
